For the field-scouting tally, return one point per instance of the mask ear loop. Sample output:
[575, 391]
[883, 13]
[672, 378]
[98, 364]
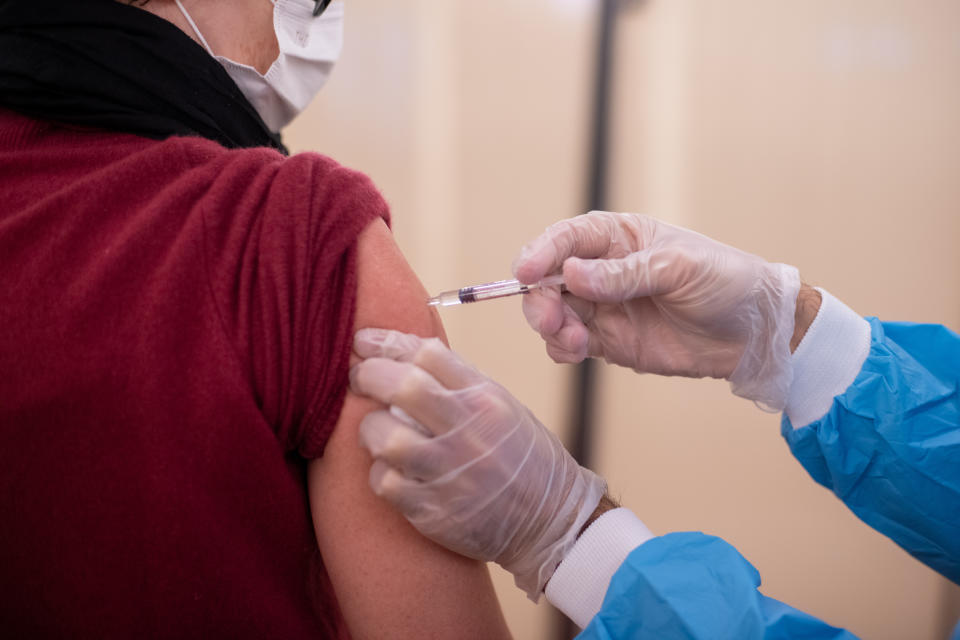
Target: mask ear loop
[193, 25]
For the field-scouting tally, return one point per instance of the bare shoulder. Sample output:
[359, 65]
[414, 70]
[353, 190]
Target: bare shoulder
[388, 289]
[389, 580]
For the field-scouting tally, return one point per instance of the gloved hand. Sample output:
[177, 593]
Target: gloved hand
[468, 465]
[663, 299]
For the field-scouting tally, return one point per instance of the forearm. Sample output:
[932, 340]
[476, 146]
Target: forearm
[690, 585]
[829, 346]
[606, 504]
[808, 305]
[621, 581]
[886, 446]
[579, 583]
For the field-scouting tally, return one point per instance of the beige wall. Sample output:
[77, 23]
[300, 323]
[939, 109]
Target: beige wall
[823, 134]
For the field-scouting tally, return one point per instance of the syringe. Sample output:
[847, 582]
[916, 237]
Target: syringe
[491, 290]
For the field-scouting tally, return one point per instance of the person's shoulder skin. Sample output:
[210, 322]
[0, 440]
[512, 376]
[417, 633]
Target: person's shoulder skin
[389, 580]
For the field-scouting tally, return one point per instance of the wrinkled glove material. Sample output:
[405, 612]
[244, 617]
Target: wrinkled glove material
[478, 473]
[662, 299]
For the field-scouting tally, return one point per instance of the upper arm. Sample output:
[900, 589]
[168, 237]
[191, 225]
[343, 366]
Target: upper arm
[389, 580]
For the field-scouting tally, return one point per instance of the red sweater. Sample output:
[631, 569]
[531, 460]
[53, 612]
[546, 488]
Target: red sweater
[175, 329]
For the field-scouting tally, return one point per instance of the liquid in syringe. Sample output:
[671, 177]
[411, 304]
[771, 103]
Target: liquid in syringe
[491, 291]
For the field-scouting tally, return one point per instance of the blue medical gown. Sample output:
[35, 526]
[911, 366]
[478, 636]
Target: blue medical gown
[889, 447]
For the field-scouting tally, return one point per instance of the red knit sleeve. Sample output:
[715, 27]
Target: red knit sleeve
[280, 246]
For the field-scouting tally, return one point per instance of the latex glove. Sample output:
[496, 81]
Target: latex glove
[478, 473]
[663, 299]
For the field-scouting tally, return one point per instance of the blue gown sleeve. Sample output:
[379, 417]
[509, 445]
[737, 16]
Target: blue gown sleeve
[889, 446]
[695, 586]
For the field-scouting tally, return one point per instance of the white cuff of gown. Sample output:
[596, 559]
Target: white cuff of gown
[827, 360]
[580, 582]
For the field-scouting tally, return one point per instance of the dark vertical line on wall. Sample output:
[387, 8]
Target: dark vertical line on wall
[582, 410]
[598, 159]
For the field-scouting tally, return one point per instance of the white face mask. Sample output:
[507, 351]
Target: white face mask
[309, 47]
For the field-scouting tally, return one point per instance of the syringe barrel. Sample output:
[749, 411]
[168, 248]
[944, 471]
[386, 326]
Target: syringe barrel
[489, 291]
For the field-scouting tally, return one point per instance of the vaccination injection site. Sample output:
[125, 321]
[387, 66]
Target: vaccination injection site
[532, 319]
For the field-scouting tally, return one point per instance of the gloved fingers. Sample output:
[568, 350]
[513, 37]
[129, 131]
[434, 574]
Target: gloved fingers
[411, 388]
[587, 236]
[397, 443]
[570, 344]
[391, 485]
[444, 364]
[405, 418]
[548, 311]
[543, 309]
[561, 328]
[373, 342]
[583, 309]
[561, 355]
[430, 354]
[649, 272]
